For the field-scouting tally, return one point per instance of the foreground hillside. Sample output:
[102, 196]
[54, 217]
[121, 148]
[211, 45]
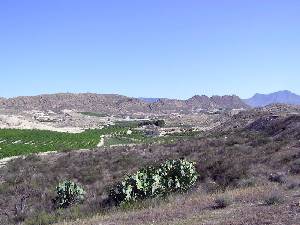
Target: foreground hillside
[250, 205]
[248, 174]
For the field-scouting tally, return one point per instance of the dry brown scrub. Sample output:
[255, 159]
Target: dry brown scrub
[227, 162]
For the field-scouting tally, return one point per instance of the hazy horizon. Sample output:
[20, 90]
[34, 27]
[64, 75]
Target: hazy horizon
[150, 97]
[167, 49]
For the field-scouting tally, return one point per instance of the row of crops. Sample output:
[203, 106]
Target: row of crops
[19, 142]
[15, 142]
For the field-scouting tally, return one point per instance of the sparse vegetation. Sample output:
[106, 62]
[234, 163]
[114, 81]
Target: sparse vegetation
[242, 163]
[223, 167]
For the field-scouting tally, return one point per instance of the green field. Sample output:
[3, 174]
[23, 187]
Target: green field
[15, 142]
[18, 142]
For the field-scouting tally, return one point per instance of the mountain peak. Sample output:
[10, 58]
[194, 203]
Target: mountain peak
[195, 97]
[284, 92]
[284, 96]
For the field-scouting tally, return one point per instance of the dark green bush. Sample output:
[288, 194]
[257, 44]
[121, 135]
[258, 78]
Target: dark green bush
[171, 176]
[158, 123]
[277, 178]
[68, 193]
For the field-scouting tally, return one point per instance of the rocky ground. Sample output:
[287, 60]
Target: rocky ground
[73, 121]
[63, 121]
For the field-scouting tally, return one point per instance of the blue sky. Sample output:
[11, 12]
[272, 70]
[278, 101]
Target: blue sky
[150, 48]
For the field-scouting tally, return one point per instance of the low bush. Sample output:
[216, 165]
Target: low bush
[274, 198]
[246, 182]
[68, 193]
[277, 178]
[221, 202]
[295, 167]
[158, 123]
[171, 176]
[293, 184]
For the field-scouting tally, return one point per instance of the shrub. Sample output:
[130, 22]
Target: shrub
[171, 176]
[246, 182]
[277, 178]
[221, 202]
[293, 184]
[68, 193]
[295, 167]
[158, 123]
[274, 198]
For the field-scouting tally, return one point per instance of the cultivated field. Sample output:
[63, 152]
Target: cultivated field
[14, 142]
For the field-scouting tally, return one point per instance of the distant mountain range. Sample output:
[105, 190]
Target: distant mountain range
[118, 104]
[258, 100]
[285, 97]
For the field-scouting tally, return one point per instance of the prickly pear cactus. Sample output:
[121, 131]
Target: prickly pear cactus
[67, 194]
[178, 175]
[171, 176]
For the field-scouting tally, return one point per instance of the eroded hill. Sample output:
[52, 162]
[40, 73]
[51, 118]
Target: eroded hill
[117, 104]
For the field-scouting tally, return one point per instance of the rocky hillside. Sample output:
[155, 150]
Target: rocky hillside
[116, 104]
[198, 103]
[255, 118]
[80, 102]
[278, 126]
[2, 101]
[285, 97]
[149, 100]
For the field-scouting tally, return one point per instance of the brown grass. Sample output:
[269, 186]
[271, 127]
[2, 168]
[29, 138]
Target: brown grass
[196, 208]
